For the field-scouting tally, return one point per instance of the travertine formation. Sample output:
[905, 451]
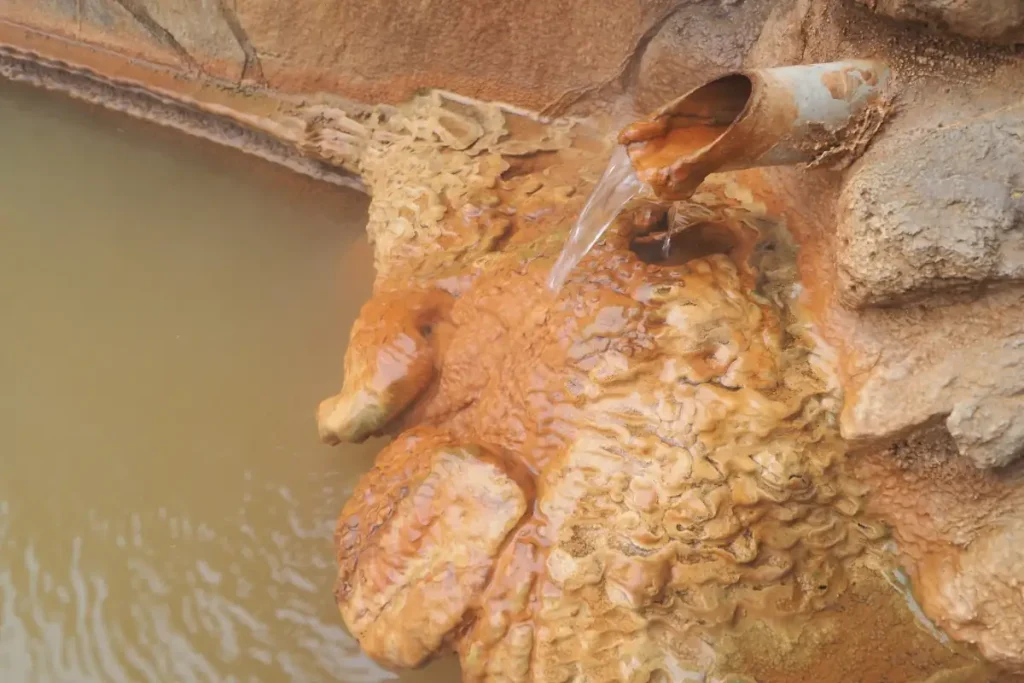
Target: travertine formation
[660, 459]
[786, 449]
[660, 439]
[960, 532]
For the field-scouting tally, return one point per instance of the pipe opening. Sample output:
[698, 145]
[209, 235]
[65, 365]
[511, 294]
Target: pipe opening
[681, 130]
[715, 105]
[699, 119]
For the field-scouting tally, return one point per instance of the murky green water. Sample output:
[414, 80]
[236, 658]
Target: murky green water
[171, 314]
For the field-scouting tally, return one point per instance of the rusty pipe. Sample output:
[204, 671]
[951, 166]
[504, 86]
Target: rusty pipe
[763, 117]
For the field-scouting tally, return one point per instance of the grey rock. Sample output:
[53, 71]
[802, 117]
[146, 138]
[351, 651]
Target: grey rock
[989, 431]
[933, 210]
[700, 41]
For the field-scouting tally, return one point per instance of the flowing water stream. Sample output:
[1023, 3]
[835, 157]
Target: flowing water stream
[618, 184]
[172, 312]
[660, 148]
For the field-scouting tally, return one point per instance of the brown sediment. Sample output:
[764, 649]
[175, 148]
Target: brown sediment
[664, 147]
[687, 231]
[664, 151]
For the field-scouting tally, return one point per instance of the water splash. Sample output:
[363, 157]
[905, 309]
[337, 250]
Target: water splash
[617, 186]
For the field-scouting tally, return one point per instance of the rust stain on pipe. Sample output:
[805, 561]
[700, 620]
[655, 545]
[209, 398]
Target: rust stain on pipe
[756, 118]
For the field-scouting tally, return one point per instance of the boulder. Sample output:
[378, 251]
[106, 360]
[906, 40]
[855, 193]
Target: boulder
[913, 366]
[934, 209]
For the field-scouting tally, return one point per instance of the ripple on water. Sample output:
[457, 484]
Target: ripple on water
[166, 510]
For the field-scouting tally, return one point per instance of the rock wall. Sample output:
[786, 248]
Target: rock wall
[924, 264]
[535, 54]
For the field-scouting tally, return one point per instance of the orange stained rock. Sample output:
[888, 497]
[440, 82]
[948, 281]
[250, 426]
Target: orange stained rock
[961, 533]
[673, 150]
[398, 328]
[417, 540]
[606, 482]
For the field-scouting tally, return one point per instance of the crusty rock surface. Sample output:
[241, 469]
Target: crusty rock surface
[959, 529]
[934, 209]
[185, 35]
[673, 420]
[417, 542]
[535, 54]
[912, 366]
[976, 594]
[699, 41]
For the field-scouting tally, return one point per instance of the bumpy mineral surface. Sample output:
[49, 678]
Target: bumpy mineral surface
[640, 477]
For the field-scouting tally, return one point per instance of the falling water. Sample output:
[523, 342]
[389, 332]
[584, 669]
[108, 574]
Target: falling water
[617, 186]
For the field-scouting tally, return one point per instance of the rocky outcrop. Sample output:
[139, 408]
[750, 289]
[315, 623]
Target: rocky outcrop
[698, 41]
[959, 528]
[535, 54]
[193, 37]
[918, 275]
[419, 541]
[913, 366]
[593, 398]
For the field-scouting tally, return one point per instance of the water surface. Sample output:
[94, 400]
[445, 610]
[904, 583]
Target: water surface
[172, 313]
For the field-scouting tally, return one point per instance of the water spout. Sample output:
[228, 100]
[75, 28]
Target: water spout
[617, 186]
[765, 117]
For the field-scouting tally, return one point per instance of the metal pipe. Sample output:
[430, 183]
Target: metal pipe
[764, 117]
